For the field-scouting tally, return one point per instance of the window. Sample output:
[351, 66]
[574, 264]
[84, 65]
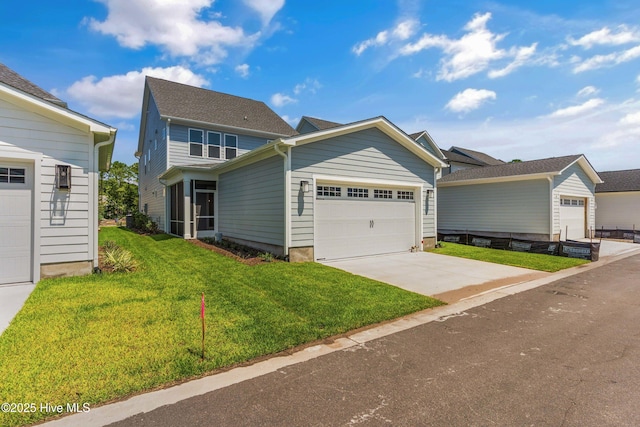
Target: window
[405, 195]
[329, 191]
[196, 140]
[213, 144]
[230, 146]
[358, 192]
[382, 194]
[12, 175]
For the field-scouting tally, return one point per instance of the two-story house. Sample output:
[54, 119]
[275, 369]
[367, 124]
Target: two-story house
[216, 164]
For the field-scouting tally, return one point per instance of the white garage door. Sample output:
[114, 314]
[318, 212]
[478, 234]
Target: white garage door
[357, 221]
[572, 217]
[15, 224]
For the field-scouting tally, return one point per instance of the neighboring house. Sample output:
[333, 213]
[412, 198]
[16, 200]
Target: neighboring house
[348, 190]
[49, 162]
[311, 124]
[618, 200]
[547, 199]
[463, 158]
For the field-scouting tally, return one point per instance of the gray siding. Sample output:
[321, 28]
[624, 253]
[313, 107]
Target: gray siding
[179, 145]
[151, 190]
[423, 141]
[509, 207]
[307, 127]
[63, 216]
[618, 210]
[573, 182]
[368, 154]
[251, 202]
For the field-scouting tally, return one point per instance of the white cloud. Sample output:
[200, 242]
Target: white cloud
[280, 100]
[588, 91]
[174, 25]
[293, 121]
[402, 31]
[632, 119]
[577, 110]
[265, 8]
[521, 57]
[600, 61]
[469, 99]
[466, 56]
[309, 85]
[242, 70]
[604, 36]
[121, 95]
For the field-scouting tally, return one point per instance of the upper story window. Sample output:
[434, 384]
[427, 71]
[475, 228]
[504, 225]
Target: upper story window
[214, 140]
[196, 141]
[12, 175]
[230, 146]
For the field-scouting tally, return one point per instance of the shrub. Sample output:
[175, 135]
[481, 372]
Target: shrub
[143, 222]
[119, 259]
[266, 256]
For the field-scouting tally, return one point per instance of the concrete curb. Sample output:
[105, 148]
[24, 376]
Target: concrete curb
[147, 402]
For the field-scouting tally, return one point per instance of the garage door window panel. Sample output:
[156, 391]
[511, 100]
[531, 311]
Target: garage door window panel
[360, 193]
[329, 191]
[405, 195]
[12, 175]
[382, 194]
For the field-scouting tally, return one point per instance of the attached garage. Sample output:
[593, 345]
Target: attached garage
[354, 220]
[16, 196]
[573, 218]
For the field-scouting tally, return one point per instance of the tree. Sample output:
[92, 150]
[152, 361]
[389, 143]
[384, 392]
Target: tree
[118, 190]
[516, 161]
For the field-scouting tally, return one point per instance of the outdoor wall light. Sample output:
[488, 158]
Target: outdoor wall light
[430, 193]
[304, 186]
[63, 177]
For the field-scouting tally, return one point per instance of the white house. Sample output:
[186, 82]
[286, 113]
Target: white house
[49, 162]
[618, 200]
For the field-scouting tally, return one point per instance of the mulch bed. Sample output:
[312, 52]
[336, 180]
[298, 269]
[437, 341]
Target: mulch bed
[246, 257]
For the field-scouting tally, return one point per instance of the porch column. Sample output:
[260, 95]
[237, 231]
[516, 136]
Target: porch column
[187, 208]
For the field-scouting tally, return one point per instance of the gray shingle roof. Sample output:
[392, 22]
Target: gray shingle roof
[553, 164]
[182, 101]
[321, 124]
[15, 80]
[485, 158]
[615, 181]
[459, 158]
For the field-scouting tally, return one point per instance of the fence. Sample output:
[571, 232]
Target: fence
[633, 235]
[569, 248]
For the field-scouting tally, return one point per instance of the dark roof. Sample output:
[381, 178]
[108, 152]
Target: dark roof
[459, 158]
[614, 181]
[477, 155]
[177, 100]
[15, 80]
[553, 164]
[416, 135]
[321, 124]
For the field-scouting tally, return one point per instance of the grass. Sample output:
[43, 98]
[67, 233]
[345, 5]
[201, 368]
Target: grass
[97, 338]
[540, 262]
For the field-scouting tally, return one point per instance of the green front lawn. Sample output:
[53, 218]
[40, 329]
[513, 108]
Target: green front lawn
[101, 337]
[540, 262]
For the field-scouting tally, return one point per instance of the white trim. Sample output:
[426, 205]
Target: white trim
[587, 168]
[432, 143]
[36, 159]
[287, 196]
[509, 178]
[551, 205]
[365, 181]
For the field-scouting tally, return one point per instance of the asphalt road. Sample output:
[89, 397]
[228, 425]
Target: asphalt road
[564, 354]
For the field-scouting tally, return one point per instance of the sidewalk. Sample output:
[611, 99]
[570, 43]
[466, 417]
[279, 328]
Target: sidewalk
[142, 403]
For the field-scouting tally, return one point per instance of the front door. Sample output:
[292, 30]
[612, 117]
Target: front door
[205, 213]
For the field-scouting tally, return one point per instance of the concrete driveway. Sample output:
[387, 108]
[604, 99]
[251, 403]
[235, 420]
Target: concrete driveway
[12, 298]
[447, 277]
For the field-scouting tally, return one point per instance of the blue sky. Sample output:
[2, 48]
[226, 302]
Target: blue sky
[516, 79]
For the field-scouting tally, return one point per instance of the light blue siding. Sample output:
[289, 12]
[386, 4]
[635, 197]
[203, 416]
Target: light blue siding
[507, 207]
[367, 154]
[307, 127]
[251, 202]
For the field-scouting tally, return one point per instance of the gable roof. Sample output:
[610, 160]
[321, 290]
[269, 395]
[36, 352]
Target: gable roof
[15, 80]
[459, 158]
[319, 124]
[616, 181]
[477, 155]
[190, 103]
[425, 135]
[520, 170]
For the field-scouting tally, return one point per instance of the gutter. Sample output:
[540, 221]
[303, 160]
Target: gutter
[287, 195]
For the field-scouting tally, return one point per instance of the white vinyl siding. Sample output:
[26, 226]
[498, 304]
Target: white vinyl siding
[574, 182]
[251, 202]
[618, 210]
[367, 154]
[63, 214]
[509, 207]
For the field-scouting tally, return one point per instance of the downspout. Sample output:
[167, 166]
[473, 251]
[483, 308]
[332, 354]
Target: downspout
[551, 197]
[287, 193]
[435, 203]
[96, 165]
